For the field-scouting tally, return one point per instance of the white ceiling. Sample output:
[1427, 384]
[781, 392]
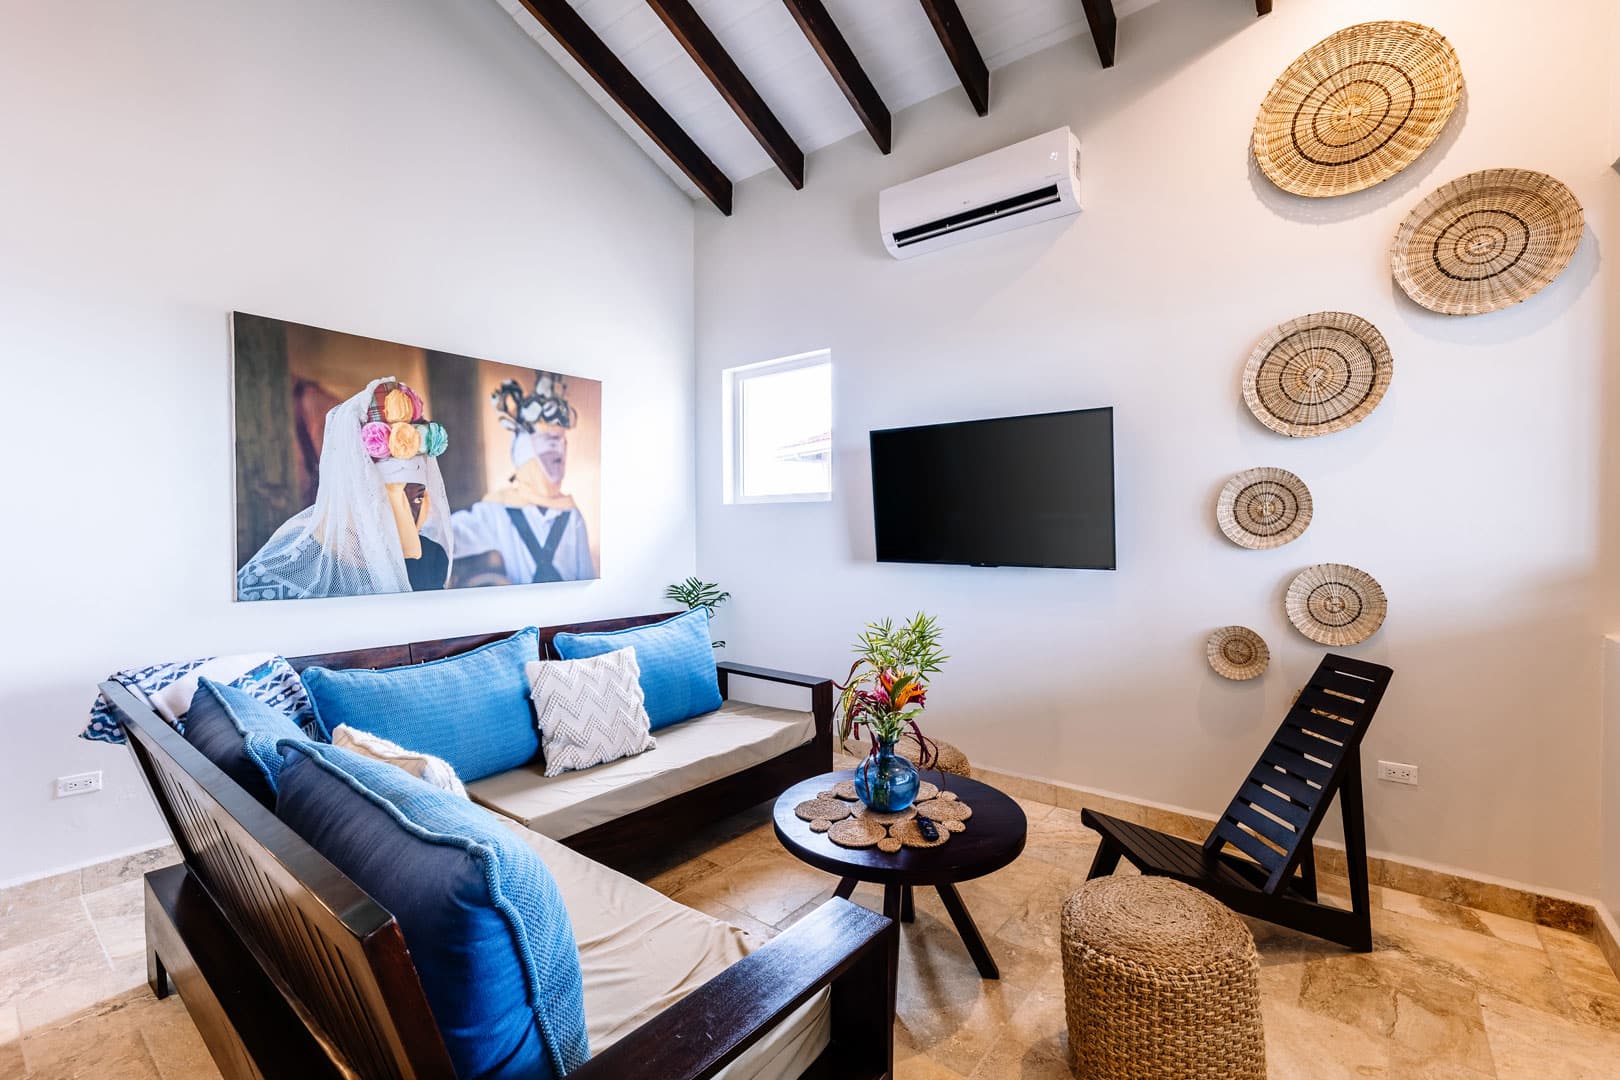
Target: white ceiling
[893, 39]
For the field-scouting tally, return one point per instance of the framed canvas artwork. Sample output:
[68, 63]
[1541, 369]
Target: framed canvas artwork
[366, 467]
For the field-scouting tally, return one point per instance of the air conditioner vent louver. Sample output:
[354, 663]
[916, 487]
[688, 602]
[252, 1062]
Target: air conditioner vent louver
[1029, 182]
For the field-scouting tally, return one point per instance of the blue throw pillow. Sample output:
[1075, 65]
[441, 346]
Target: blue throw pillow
[471, 710]
[482, 917]
[676, 660]
[238, 732]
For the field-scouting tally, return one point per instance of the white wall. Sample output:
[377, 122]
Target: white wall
[406, 169]
[1474, 493]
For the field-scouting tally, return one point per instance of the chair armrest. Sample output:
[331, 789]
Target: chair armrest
[839, 945]
[820, 687]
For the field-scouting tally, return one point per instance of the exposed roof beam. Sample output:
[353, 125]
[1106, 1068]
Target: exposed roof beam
[963, 53]
[710, 56]
[1104, 28]
[829, 43]
[1262, 7]
[575, 35]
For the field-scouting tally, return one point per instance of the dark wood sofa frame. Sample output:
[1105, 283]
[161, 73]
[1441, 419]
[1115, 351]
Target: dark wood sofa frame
[290, 969]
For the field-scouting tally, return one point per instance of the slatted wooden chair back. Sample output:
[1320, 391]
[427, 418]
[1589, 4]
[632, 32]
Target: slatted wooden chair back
[1275, 814]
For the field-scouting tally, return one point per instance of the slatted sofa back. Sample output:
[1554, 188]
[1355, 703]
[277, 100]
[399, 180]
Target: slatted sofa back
[1277, 810]
[335, 954]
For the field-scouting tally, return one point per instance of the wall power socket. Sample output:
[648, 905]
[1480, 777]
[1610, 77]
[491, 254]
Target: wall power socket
[1398, 773]
[78, 784]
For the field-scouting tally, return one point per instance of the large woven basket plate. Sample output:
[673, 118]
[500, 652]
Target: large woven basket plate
[1334, 604]
[1263, 508]
[1487, 240]
[1317, 374]
[1237, 653]
[1356, 108]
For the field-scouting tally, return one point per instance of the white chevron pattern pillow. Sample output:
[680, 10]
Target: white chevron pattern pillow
[590, 711]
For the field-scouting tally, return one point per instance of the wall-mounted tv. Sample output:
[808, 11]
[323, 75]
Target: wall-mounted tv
[1015, 491]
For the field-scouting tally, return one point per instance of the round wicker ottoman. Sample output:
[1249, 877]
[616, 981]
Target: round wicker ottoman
[951, 759]
[1160, 983]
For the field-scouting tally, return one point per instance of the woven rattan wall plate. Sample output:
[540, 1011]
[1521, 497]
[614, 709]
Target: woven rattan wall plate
[1487, 240]
[1333, 604]
[1356, 108]
[1317, 374]
[1238, 653]
[1263, 508]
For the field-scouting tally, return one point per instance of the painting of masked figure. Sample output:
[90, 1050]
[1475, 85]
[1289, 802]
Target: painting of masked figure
[366, 467]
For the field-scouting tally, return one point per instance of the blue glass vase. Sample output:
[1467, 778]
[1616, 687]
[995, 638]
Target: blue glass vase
[885, 781]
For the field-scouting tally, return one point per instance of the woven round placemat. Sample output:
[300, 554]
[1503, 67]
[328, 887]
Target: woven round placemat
[1263, 508]
[822, 810]
[1334, 604]
[1487, 241]
[945, 809]
[1237, 653]
[845, 789]
[1356, 108]
[1317, 374]
[926, 791]
[884, 817]
[856, 833]
[889, 845]
[910, 834]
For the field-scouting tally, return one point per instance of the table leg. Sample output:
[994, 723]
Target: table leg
[891, 902]
[970, 933]
[846, 888]
[907, 912]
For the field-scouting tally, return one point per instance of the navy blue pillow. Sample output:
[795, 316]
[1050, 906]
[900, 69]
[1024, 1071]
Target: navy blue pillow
[471, 710]
[482, 917]
[238, 732]
[676, 660]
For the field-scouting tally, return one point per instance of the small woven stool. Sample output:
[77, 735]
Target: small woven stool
[951, 759]
[1160, 983]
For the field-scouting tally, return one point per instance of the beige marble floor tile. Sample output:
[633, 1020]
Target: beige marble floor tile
[172, 1040]
[41, 965]
[1589, 983]
[1527, 1044]
[102, 1040]
[46, 890]
[1034, 811]
[1518, 931]
[11, 1055]
[760, 932]
[673, 880]
[1304, 1045]
[1486, 962]
[769, 886]
[130, 868]
[1061, 840]
[1436, 911]
[29, 924]
[118, 914]
[923, 1067]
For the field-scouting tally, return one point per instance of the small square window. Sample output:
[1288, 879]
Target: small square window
[778, 430]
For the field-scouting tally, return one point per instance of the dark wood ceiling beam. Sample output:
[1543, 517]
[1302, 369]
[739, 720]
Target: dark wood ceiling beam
[963, 52]
[716, 64]
[591, 53]
[1262, 7]
[1104, 28]
[829, 43]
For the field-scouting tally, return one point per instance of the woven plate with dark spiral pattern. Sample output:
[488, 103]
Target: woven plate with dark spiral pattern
[1334, 604]
[1356, 108]
[1263, 508]
[1317, 374]
[1487, 240]
[1237, 653]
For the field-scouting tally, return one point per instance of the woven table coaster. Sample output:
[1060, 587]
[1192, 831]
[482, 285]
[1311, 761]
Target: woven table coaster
[822, 810]
[856, 833]
[845, 789]
[943, 809]
[884, 817]
[910, 834]
[926, 791]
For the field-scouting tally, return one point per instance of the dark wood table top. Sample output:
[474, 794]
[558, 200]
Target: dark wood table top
[994, 837]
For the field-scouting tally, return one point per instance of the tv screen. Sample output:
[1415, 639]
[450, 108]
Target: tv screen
[1017, 491]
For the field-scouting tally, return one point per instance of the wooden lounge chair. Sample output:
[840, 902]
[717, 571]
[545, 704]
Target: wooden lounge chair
[1272, 821]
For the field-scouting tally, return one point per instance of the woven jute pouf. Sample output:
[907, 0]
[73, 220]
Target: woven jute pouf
[1160, 983]
[951, 760]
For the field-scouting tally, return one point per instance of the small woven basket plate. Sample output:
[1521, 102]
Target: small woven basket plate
[855, 833]
[1336, 605]
[822, 810]
[1237, 653]
[1317, 374]
[1487, 241]
[1356, 108]
[1263, 508]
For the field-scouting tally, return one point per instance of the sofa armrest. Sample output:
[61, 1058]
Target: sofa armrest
[840, 945]
[820, 687]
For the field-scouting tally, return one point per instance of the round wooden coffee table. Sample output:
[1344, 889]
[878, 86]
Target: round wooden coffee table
[993, 838]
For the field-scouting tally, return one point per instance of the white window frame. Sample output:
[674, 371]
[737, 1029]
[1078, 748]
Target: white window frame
[732, 380]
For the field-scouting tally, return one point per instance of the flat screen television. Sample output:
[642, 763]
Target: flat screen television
[1015, 491]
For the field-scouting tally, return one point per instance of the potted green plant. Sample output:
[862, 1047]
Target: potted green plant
[882, 697]
[696, 593]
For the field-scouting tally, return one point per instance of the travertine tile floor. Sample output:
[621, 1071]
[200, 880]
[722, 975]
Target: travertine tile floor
[1449, 992]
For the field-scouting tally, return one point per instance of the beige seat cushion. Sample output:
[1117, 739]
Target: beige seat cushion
[641, 952]
[688, 755]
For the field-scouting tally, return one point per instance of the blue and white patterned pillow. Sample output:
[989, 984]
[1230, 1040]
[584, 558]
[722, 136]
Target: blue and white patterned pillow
[169, 688]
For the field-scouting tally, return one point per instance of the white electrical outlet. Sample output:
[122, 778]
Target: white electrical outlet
[78, 784]
[1397, 773]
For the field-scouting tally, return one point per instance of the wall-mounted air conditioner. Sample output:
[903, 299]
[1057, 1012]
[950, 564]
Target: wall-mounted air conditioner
[1028, 182]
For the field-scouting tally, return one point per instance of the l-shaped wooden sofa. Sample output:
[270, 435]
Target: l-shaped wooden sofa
[290, 969]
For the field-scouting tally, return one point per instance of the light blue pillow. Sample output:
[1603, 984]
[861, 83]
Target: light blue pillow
[238, 732]
[483, 920]
[676, 660]
[471, 710]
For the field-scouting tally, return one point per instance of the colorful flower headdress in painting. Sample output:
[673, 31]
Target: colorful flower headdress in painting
[395, 433]
[547, 405]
